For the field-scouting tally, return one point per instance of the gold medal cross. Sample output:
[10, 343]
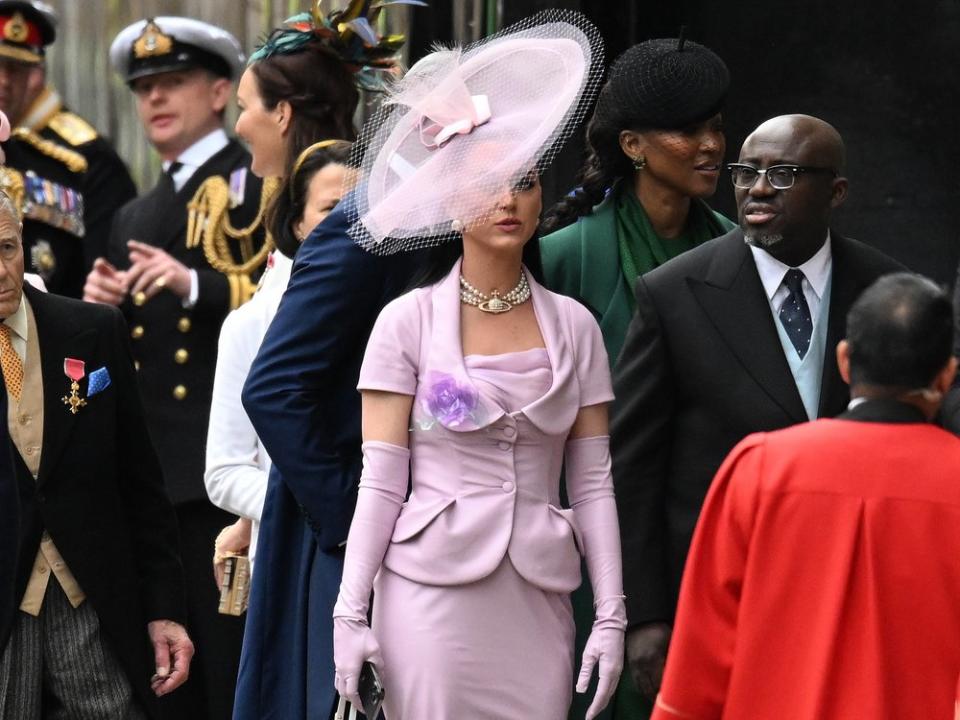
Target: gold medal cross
[73, 400]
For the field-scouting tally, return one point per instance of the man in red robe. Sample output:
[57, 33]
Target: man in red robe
[823, 581]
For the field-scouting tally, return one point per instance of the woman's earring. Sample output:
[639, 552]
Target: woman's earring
[639, 163]
[456, 225]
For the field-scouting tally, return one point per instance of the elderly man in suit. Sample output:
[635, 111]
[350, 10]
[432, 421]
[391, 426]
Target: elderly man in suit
[733, 337]
[91, 575]
[178, 260]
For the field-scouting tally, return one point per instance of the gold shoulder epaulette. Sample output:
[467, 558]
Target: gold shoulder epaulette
[11, 182]
[72, 128]
[209, 226]
[74, 161]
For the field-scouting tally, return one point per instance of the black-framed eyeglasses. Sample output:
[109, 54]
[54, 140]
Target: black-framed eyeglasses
[780, 177]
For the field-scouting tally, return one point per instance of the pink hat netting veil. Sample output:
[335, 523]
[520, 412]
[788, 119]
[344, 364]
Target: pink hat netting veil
[464, 125]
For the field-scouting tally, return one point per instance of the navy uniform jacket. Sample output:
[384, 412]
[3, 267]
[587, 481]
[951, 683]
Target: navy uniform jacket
[302, 399]
[46, 179]
[106, 184]
[176, 348]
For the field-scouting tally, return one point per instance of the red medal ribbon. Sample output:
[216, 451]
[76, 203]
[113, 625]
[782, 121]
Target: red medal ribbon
[73, 368]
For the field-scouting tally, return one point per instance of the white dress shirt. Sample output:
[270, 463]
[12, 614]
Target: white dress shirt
[196, 155]
[816, 275]
[237, 463]
[190, 161]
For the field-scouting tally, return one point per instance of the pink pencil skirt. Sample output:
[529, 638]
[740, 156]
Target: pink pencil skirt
[499, 648]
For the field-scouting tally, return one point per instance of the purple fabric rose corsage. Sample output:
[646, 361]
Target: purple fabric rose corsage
[448, 402]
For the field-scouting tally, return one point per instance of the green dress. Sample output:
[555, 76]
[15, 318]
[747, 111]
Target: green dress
[597, 260]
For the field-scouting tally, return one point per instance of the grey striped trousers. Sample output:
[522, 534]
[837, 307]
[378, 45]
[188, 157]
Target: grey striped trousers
[56, 667]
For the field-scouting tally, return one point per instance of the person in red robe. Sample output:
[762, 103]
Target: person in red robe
[823, 581]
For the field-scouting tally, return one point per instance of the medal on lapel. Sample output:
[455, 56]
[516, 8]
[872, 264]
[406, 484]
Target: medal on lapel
[73, 369]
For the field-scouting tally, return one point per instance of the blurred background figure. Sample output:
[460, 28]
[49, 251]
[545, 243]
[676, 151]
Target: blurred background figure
[823, 572]
[66, 178]
[302, 86]
[180, 258]
[656, 147]
[237, 462]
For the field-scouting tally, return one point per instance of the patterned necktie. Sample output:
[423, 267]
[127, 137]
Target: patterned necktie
[11, 364]
[795, 313]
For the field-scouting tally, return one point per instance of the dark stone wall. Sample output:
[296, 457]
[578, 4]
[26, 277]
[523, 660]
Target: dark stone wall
[884, 72]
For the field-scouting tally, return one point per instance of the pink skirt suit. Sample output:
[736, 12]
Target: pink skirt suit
[471, 607]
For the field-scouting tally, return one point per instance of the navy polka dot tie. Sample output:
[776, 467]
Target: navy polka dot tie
[795, 313]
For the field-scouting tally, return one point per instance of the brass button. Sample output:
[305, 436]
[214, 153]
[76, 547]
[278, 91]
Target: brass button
[180, 392]
[30, 451]
[137, 332]
[139, 299]
[25, 419]
[181, 356]
[42, 569]
[183, 324]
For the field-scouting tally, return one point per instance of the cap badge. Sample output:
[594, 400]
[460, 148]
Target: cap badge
[16, 29]
[152, 41]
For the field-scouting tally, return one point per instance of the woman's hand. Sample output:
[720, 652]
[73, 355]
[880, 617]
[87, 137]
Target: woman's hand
[353, 644]
[604, 650]
[232, 539]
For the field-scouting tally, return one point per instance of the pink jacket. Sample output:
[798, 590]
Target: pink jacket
[477, 493]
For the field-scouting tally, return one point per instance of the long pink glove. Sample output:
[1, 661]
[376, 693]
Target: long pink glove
[590, 489]
[383, 486]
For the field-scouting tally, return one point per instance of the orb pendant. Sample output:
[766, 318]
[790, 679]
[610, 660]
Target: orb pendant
[495, 305]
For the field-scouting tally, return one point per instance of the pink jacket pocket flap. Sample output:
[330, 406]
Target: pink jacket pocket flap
[414, 518]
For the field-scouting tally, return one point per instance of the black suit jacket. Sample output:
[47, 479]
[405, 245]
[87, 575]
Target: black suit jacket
[99, 490]
[173, 346]
[702, 367]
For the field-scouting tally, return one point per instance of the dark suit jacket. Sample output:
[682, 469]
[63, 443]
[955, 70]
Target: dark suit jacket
[9, 528]
[99, 492]
[163, 327]
[703, 367]
[301, 396]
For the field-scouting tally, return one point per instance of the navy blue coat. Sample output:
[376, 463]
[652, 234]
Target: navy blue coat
[301, 397]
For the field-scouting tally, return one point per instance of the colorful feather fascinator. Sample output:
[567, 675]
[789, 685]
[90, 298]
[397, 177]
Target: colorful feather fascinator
[350, 33]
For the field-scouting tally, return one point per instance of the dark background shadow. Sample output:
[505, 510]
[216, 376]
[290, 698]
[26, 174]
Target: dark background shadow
[881, 71]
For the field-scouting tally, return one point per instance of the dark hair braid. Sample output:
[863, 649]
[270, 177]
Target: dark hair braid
[605, 164]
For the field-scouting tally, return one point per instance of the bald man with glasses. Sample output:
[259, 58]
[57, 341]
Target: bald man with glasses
[734, 337]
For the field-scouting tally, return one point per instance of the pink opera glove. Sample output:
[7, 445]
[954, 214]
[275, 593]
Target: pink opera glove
[590, 488]
[383, 487]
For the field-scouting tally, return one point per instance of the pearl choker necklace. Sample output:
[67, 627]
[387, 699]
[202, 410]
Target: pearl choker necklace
[495, 303]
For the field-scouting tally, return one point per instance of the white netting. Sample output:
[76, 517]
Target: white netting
[465, 125]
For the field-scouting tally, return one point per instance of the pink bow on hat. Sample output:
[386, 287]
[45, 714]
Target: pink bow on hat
[435, 132]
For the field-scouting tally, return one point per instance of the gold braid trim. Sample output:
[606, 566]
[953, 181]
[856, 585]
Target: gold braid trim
[11, 182]
[74, 161]
[209, 226]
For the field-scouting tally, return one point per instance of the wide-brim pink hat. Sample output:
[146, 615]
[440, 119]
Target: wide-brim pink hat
[465, 125]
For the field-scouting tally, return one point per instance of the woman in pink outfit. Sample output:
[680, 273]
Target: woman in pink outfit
[478, 387]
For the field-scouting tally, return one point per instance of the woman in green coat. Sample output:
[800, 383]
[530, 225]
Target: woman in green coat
[656, 149]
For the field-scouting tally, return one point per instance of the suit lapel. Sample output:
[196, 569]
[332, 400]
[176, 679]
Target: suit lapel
[58, 339]
[733, 299]
[846, 286]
